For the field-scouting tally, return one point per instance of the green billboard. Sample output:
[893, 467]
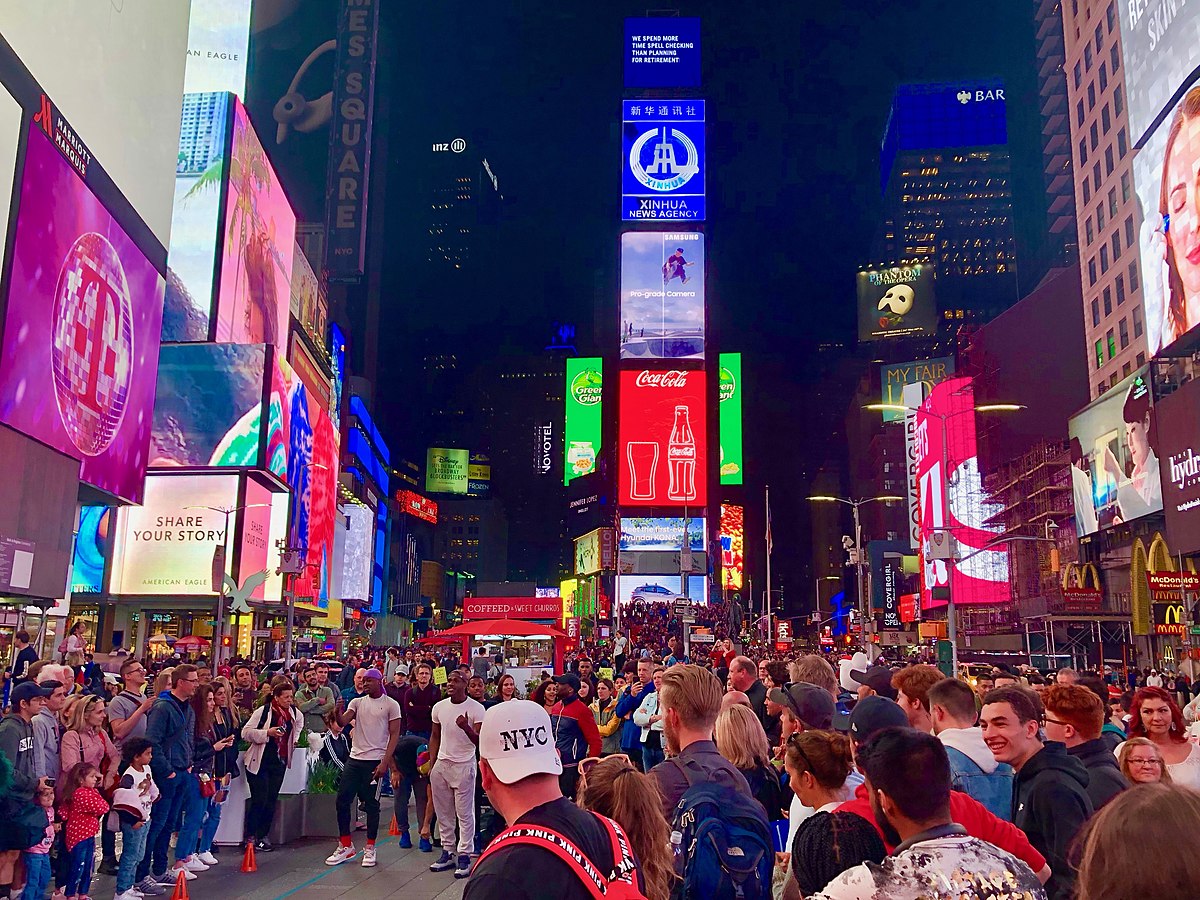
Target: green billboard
[581, 432]
[730, 388]
[446, 471]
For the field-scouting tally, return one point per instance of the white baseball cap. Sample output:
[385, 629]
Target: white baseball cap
[517, 741]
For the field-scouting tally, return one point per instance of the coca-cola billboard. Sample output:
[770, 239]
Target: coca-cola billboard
[663, 458]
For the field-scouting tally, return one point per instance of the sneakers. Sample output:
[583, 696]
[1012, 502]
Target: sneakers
[148, 887]
[193, 863]
[264, 846]
[405, 841]
[207, 858]
[188, 874]
[424, 846]
[340, 855]
[463, 869]
[130, 894]
[444, 863]
[368, 859]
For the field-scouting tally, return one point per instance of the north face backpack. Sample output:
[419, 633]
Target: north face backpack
[722, 842]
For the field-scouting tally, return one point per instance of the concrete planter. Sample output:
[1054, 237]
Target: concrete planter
[320, 815]
[288, 824]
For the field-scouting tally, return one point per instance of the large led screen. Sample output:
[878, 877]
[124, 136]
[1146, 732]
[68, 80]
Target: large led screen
[357, 554]
[659, 588]
[663, 170]
[663, 426]
[896, 302]
[662, 52]
[945, 430]
[166, 545]
[1114, 457]
[662, 295]
[208, 408]
[260, 237]
[1178, 427]
[81, 338]
[893, 377]
[660, 533]
[1160, 49]
[583, 416]
[446, 470]
[218, 41]
[91, 549]
[264, 525]
[730, 410]
[309, 305]
[733, 546]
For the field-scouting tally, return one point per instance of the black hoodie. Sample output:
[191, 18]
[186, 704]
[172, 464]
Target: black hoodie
[1051, 805]
[1105, 780]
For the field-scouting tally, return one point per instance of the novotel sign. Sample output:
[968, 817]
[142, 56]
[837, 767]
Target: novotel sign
[512, 608]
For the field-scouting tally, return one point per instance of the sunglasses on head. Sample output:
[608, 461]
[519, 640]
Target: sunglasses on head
[586, 765]
[794, 741]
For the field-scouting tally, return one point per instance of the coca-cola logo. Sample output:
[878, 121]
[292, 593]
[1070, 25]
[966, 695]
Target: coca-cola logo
[671, 379]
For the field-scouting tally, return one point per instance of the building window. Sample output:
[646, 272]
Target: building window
[1088, 228]
[1099, 37]
[1137, 324]
[1109, 163]
[1126, 187]
[1112, 204]
[1083, 152]
[1095, 135]
[1096, 177]
[1101, 388]
[1099, 354]
[1103, 258]
[1087, 190]
[1122, 143]
[1108, 301]
[1118, 99]
[1100, 217]
[1114, 54]
[1095, 313]
[1079, 113]
[1133, 276]
[1092, 271]
[1110, 339]
[1091, 94]
[1087, 58]
[1116, 245]
[1105, 118]
[1129, 231]
[1120, 289]
[1123, 331]
[1078, 75]
[1103, 75]
[1111, 17]
[1141, 359]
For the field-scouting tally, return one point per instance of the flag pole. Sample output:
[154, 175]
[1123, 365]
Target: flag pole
[767, 607]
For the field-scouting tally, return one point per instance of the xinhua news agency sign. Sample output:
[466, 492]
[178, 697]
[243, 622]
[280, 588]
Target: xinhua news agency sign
[663, 168]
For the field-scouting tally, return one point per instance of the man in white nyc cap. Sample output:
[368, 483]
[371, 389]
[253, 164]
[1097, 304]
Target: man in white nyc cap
[519, 767]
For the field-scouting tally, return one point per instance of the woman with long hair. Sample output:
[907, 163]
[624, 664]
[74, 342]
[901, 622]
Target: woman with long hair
[545, 693]
[211, 749]
[1178, 222]
[742, 740]
[607, 720]
[1139, 491]
[75, 644]
[506, 689]
[1157, 716]
[85, 740]
[273, 730]
[1141, 762]
[614, 788]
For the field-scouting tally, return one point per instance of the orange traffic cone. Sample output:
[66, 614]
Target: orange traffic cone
[248, 862]
[394, 828]
[181, 891]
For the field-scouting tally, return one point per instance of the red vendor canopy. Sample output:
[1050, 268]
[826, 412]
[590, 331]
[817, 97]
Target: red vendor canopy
[500, 628]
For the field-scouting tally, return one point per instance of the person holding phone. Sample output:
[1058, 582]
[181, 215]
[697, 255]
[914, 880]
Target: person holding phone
[273, 731]
[213, 746]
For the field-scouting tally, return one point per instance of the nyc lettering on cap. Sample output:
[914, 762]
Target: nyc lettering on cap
[517, 741]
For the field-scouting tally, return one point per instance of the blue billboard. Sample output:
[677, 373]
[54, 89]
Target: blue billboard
[662, 176]
[662, 52]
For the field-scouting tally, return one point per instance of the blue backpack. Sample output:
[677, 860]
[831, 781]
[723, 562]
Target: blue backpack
[722, 843]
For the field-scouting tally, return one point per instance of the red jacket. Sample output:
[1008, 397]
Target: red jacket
[575, 731]
[971, 815]
[83, 814]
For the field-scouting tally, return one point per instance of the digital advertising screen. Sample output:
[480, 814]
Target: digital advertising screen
[659, 588]
[595, 552]
[663, 424]
[10, 139]
[166, 545]
[661, 533]
[446, 470]
[1160, 49]
[1179, 443]
[583, 417]
[662, 52]
[662, 295]
[894, 377]
[357, 554]
[208, 405]
[217, 47]
[413, 504]
[663, 170]
[309, 306]
[77, 369]
[733, 543]
[92, 543]
[896, 302]
[264, 522]
[946, 421]
[337, 353]
[730, 410]
[254, 299]
[1114, 458]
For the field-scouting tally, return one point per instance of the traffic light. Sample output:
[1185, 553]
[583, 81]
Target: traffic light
[226, 640]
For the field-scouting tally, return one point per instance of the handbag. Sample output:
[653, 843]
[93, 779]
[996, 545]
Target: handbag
[208, 788]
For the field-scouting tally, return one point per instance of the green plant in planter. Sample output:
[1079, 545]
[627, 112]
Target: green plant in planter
[323, 779]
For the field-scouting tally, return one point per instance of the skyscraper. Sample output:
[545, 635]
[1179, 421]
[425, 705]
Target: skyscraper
[1058, 170]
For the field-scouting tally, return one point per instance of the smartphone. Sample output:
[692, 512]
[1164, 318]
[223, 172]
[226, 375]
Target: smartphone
[379, 788]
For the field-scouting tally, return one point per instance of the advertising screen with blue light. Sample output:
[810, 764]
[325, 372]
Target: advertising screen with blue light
[663, 169]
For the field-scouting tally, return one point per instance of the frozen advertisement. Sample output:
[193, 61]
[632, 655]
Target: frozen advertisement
[663, 423]
[896, 302]
[218, 41]
[733, 543]
[945, 444]
[357, 555]
[208, 405]
[1160, 47]
[1179, 442]
[80, 350]
[260, 236]
[730, 410]
[893, 378]
[583, 419]
[660, 589]
[663, 170]
[1114, 457]
[662, 295]
[166, 545]
[264, 524]
[446, 470]
[660, 533]
[91, 546]
[662, 52]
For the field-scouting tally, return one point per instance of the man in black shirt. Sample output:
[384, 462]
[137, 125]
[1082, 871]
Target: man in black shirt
[26, 657]
[519, 768]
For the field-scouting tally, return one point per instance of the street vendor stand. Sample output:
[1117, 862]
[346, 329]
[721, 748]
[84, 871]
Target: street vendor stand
[512, 632]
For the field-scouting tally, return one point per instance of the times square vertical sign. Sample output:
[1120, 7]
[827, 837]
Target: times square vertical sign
[663, 168]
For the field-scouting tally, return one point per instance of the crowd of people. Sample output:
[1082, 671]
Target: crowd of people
[639, 771]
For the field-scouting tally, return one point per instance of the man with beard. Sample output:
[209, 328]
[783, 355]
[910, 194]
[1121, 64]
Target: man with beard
[908, 780]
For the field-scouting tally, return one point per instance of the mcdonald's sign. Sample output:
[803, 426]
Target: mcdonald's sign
[1169, 618]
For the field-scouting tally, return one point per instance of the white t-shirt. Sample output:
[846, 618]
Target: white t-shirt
[371, 717]
[455, 746]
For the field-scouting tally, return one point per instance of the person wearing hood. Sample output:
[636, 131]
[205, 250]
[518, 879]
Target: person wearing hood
[1050, 798]
[973, 768]
[1075, 716]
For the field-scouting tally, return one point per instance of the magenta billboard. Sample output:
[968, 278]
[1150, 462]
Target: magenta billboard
[80, 353]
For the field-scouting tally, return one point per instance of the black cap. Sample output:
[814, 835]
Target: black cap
[26, 691]
[872, 714]
[811, 704]
[567, 678]
[877, 678]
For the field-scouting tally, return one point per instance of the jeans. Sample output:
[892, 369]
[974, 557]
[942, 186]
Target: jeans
[162, 819]
[193, 807]
[133, 847]
[208, 830]
[358, 779]
[651, 757]
[264, 794]
[82, 859]
[453, 786]
[37, 875]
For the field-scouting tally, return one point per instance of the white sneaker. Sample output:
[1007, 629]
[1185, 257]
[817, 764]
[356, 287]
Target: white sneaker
[130, 894]
[368, 859]
[174, 871]
[207, 858]
[340, 855]
[195, 864]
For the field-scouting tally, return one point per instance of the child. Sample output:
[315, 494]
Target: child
[132, 800]
[37, 857]
[81, 809]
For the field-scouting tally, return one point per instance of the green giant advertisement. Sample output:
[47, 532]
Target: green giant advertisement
[730, 387]
[581, 441]
[446, 471]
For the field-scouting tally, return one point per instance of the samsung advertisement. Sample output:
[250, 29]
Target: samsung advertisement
[662, 295]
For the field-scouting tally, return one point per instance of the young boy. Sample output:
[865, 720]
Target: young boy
[133, 798]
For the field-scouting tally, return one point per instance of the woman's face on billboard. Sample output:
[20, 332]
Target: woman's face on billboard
[1137, 438]
[1183, 172]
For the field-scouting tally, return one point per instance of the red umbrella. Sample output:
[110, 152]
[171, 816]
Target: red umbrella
[500, 628]
[191, 642]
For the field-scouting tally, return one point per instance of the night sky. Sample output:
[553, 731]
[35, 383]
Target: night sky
[797, 102]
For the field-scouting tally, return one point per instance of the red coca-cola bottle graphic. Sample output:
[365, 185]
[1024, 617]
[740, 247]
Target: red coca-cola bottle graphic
[681, 458]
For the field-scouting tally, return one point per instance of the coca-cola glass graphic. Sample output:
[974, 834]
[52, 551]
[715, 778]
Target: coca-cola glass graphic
[643, 466]
[681, 458]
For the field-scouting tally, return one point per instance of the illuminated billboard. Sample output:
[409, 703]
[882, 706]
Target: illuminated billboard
[446, 470]
[583, 419]
[896, 302]
[662, 295]
[254, 299]
[893, 377]
[662, 52]
[309, 305]
[80, 350]
[1160, 49]
[663, 169]
[208, 405]
[1114, 458]
[733, 544]
[595, 552]
[945, 429]
[730, 411]
[166, 545]
[357, 554]
[1178, 428]
[660, 588]
[663, 426]
[91, 544]
[264, 523]
[413, 504]
[660, 533]
[218, 41]
[479, 474]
